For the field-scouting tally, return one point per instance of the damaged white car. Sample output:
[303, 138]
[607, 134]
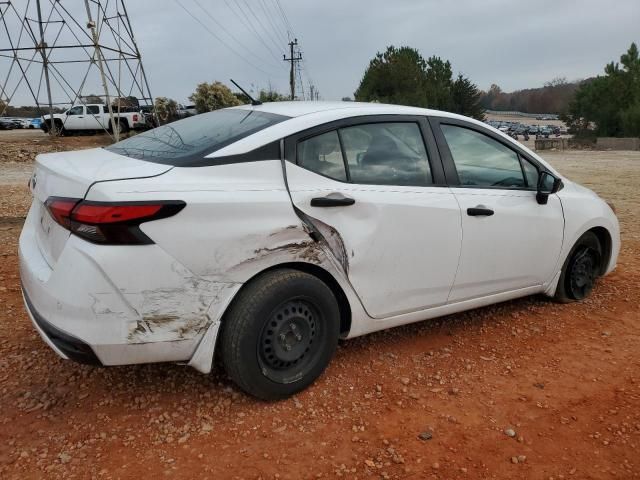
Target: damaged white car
[262, 234]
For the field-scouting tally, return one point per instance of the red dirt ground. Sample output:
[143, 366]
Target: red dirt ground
[564, 378]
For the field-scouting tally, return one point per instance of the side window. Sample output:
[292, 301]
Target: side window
[531, 173]
[386, 154]
[482, 161]
[77, 110]
[322, 154]
[93, 109]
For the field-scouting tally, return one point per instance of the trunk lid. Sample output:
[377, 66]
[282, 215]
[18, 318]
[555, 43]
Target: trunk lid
[71, 174]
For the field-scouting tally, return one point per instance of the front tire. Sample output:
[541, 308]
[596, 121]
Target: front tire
[280, 333]
[580, 270]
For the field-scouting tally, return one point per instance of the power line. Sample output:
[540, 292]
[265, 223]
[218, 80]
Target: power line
[248, 22]
[222, 27]
[266, 30]
[221, 40]
[241, 17]
[284, 17]
[282, 37]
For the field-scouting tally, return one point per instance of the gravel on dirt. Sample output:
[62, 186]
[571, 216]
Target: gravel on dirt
[565, 378]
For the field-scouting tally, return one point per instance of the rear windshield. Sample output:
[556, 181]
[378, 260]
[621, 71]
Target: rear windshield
[187, 141]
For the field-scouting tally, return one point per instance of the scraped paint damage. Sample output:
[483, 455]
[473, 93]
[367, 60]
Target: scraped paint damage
[180, 312]
[191, 305]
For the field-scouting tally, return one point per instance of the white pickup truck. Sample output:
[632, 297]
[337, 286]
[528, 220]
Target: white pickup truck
[93, 117]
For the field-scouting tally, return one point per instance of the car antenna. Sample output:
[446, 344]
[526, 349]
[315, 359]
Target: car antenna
[253, 100]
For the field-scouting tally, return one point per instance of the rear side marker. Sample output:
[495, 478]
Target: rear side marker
[110, 223]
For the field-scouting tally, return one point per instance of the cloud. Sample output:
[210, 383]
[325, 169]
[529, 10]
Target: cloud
[514, 44]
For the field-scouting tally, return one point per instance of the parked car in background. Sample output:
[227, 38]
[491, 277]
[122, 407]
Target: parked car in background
[149, 116]
[94, 118]
[35, 123]
[263, 234]
[186, 110]
[544, 132]
[17, 123]
[6, 124]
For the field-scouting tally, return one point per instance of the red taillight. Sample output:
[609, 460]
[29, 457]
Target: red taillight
[107, 213]
[60, 209]
[135, 117]
[110, 223]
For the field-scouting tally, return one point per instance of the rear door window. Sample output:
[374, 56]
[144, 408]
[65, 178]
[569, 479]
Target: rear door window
[93, 109]
[322, 154]
[386, 154]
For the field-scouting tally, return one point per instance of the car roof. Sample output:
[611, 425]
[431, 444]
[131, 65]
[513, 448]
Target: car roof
[300, 108]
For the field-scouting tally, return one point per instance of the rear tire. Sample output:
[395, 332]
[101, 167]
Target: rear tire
[580, 270]
[280, 333]
[121, 126]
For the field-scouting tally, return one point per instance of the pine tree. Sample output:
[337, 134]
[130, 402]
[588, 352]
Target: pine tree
[466, 98]
[395, 76]
[402, 76]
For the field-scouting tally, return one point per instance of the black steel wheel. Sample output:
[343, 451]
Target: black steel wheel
[581, 269]
[583, 272]
[279, 333]
[287, 341]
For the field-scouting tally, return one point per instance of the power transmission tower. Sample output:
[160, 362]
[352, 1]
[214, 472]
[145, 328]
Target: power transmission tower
[294, 58]
[76, 48]
[314, 93]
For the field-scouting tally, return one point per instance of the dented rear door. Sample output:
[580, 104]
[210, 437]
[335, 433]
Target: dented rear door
[398, 244]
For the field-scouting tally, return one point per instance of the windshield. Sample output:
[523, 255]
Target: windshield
[186, 142]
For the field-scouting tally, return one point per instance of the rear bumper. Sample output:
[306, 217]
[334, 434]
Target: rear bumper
[116, 305]
[65, 345]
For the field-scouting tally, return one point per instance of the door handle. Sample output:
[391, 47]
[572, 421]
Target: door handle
[479, 211]
[332, 200]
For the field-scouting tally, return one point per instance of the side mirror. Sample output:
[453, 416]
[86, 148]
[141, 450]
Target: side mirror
[68, 112]
[548, 184]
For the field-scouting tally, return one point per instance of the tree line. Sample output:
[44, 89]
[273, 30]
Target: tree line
[554, 97]
[607, 105]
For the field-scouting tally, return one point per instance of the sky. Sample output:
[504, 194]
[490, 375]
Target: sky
[515, 44]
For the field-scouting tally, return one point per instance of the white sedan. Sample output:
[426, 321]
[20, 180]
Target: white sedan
[261, 235]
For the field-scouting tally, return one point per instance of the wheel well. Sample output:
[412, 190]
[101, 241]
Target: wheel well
[327, 278]
[604, 237]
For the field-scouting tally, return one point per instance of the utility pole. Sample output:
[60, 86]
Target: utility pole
[294, 58]
[45, 69]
